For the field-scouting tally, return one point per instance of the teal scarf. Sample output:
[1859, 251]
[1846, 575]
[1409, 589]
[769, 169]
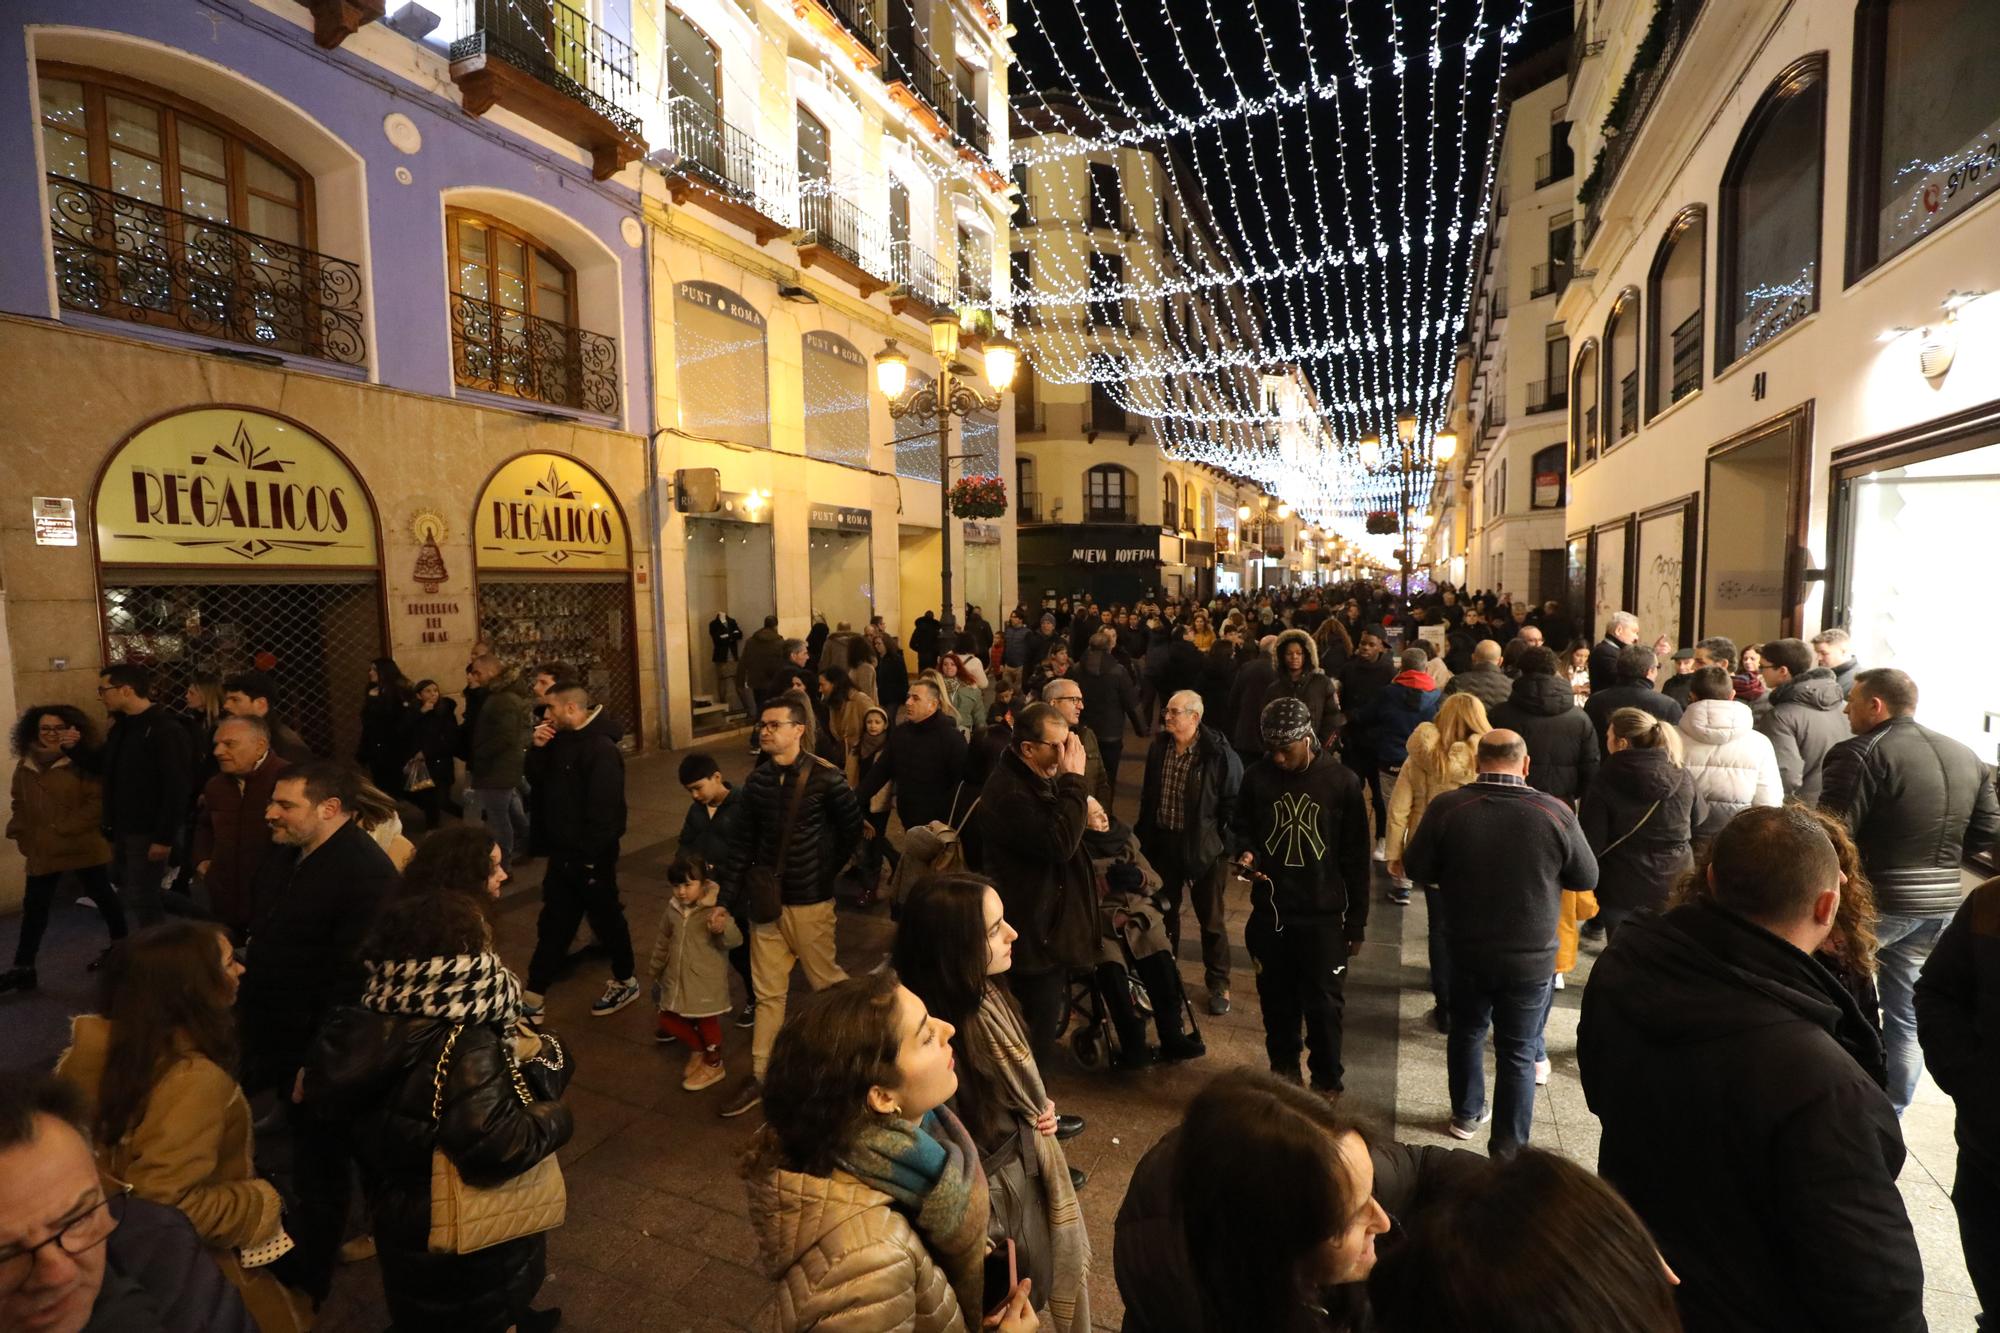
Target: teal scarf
[931, 1170]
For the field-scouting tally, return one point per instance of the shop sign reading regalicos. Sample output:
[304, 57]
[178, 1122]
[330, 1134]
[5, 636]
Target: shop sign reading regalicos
[225, 486]
[548, 511]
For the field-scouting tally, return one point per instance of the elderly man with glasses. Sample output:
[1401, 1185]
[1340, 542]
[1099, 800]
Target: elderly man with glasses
[1186, 809]
[1067, 698]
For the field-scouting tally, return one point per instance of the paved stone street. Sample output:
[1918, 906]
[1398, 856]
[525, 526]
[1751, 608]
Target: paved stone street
[657, 1235]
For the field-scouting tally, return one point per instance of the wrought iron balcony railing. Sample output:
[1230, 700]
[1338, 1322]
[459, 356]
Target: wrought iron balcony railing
[858, 17]
[132, 259]
[1628, 404]
[1111, 511]
[971, 126]
[1549, 278]
[1027, 507]
[1687, 357]
[918, 273]
[729, 160]
[1552, 166]
[558, 46]
[910, 64]
[1666, 34]
[833, 221]
[506, 351]
[1547, 396]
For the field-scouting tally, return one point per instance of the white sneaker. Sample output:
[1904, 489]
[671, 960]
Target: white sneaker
[1542, 1070]
[1560, 983]
[1381, 849]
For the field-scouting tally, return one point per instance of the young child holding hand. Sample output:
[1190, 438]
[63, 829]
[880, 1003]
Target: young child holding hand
[690, 969]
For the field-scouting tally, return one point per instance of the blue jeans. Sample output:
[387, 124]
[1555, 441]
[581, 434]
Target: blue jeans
[1906, 941]
[1516, 1010]
[505, 817]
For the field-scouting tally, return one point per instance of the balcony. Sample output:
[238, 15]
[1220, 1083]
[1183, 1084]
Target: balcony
[506, 351]
[334, 21]
[1030, 417]
[1666, 35]
[840, 238]
[971, 126]
[975, 280]
[919, 281]
[1548, 396]
[1687, 357]
[1552, 166]
[1548, 279]
[551, 65]
[714, 164]
[1024, 212]
[1628, 405]
[847, 23]
[1027, 507]
[1494, 417]
[1101, 509]
[130, 259]
[913, 79]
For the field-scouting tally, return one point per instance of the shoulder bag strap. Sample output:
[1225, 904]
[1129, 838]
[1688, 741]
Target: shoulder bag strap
[444, 1062]
[792, 812]
[1634, 829]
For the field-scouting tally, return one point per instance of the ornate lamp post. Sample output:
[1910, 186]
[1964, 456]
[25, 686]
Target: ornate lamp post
[1404, 466]
[950, 396]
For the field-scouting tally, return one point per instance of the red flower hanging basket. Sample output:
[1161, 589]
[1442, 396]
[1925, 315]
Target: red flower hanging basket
[978, 497]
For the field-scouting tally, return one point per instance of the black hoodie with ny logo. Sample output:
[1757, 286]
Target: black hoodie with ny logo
[1308, 831]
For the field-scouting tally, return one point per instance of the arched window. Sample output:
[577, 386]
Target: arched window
[1621, 368]
[513, 311]
[166, 213]
[723, 369]
[1924, 138]
[1675, 313]
[836, 398]
[1108, 495]
[1584, 425]
[1170, 502]
[1768, 278]
[694, 91]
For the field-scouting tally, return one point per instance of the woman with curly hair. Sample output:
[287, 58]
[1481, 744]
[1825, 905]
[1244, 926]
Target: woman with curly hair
[157, 1068]
[866, 1193]
[56, 819]
[463, 860]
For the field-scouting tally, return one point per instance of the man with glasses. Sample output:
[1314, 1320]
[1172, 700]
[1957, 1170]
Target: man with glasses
[1186, 809]
[74, 1257]
[1066, 697]
[800, 823]
[1032, 815]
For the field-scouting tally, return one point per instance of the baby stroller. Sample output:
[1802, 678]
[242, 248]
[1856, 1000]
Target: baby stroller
[1136, 977]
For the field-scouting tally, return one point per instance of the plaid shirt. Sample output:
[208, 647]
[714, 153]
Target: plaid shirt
[1173, 784]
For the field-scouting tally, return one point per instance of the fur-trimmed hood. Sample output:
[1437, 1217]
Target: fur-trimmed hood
[1295, 636]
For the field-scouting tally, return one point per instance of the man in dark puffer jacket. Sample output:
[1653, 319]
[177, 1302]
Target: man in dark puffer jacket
[824, 835]
[1562, 747]
[1803, 718]
[1919, 802]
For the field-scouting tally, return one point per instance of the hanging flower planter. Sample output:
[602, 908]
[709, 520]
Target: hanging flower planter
[1382, 523]
[978, 497]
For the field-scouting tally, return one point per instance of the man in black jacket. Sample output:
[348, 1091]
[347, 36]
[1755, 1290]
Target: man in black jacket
[802, 835]
[577, 776]
[924, 757]
[319, 897]
[1031, 819]
[1109, 698]
[1303, 830]
[1637, 669]
[1187, 811]
[1958, 1022]
[1254, 677]
[1502, 855]
[254, 694]
[148, 774]
[1803, 720]
[1739, 1085]
[1363, 677]
[1562, 745]
[1620, 633]
[1482, 677]
[1919, 802]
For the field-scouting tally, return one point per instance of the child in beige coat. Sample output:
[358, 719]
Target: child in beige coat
[690, 969]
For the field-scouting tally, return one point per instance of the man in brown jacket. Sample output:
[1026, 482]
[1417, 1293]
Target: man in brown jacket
[231, 839]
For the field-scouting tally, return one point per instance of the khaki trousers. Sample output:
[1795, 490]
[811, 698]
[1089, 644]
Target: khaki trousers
[802, 935]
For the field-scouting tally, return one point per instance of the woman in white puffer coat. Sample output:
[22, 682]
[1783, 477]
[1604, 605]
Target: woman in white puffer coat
[1733, 764]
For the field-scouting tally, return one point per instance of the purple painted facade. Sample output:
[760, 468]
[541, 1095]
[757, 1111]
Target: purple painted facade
[348, 95]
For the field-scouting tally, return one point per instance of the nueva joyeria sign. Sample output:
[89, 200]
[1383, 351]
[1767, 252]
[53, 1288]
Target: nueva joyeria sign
[226, 486]
[548, 511]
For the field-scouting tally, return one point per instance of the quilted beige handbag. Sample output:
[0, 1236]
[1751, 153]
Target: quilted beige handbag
[467, 1218]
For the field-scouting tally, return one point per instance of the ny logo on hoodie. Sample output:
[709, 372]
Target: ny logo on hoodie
[1294, 824]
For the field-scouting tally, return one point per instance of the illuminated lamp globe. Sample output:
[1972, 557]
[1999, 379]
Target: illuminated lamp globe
[1445, 446]
[1371, 451]
[944, 337]
[1406, 429]
[892, 370]
[1243, 511]
[1284, 511]
[1001, 358]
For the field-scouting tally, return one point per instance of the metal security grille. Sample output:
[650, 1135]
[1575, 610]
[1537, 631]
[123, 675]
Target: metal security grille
[576, 619]
[314, 639]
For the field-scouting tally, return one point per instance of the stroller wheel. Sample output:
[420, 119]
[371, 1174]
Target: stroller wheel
[1088, 1045]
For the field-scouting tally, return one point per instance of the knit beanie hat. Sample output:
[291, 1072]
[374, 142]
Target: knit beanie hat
[1284, 721]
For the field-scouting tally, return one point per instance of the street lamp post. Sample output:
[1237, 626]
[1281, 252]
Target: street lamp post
[1443, 446]
[949, 396]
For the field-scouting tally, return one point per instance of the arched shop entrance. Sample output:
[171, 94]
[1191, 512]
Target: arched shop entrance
[553, 557]
[229, 540]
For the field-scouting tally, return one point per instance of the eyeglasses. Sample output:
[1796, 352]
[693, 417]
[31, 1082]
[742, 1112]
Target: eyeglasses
[57, 730]
[1179, 712]
[80, 1235]
[772, 724]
